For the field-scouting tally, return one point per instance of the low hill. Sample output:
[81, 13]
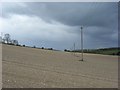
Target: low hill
[104, 51]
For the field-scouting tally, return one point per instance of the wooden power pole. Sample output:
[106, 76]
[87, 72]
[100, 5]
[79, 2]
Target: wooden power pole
[82, 43]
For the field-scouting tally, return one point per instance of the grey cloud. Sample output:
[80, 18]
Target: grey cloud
[99, 19]
[95, 14]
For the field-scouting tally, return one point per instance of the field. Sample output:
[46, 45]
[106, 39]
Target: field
[24, 67]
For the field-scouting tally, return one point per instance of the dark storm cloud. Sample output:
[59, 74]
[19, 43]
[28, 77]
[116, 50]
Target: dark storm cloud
[87, 14]
[99, 19]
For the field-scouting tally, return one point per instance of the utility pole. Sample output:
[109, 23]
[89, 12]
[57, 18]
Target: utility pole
[74, 49]
[81, 42]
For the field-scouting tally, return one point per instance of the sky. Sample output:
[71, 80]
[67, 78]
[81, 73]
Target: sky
[57, 25]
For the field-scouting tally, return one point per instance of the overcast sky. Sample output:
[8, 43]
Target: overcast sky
[57, 25]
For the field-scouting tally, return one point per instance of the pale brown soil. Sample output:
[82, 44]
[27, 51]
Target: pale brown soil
[36, 68]
[0, 66]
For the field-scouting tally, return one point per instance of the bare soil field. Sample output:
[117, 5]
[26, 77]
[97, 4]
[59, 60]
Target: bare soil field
[24, 67]
[0, 66]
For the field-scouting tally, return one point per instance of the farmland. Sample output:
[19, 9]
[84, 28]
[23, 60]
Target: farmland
[24, 67]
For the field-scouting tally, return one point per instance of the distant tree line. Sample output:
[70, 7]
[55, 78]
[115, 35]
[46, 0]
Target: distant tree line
[6, 39]
[105, 51]
[39, 47]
